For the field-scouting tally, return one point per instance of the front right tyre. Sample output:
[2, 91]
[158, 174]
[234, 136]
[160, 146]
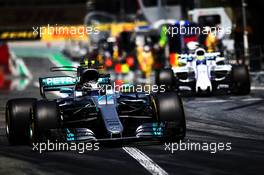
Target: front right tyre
[170, 111]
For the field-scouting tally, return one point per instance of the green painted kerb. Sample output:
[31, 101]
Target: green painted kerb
[54, 55]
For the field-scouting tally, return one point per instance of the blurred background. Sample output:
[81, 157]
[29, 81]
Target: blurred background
[131, 38]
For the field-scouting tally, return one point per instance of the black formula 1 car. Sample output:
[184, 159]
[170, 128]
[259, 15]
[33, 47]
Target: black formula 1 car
[91, 111]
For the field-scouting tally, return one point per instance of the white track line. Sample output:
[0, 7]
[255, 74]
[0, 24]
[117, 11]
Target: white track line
[210, 101]
[252, 99]
[224, 101]
[257, 87]
[145, 161]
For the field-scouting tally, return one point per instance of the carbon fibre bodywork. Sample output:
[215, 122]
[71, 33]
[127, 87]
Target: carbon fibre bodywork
[98, 113]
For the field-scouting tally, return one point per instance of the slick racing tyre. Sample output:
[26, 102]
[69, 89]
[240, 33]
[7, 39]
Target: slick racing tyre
[240, 80]
[45, 116]
[18, 120]
[165, 77]
[170, 111]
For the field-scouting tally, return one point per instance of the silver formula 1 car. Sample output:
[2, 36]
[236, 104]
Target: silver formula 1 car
[91, 112]
[203, 72]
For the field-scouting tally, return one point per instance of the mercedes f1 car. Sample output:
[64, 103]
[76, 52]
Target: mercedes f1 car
[92, 112]
[203, 72]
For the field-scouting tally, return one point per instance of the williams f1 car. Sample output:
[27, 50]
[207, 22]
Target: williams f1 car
[203, 72]
[92, 112]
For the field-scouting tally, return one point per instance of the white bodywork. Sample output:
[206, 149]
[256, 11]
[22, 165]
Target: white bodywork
[203, 78]
[200, 72]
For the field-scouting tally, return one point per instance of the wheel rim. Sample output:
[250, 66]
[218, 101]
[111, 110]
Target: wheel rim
[30, 133]
[7, 122]
[31, 127]
[7, 130]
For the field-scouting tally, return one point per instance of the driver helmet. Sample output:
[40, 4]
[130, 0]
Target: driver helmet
[200, 54]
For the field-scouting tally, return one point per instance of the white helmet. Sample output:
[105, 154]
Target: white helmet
[192, 45]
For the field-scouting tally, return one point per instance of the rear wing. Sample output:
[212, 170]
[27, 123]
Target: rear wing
[190, 57]
[56, 83]
[213, 54]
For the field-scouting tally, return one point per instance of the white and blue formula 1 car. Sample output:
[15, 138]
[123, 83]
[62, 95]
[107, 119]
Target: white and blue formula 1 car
[203, 72]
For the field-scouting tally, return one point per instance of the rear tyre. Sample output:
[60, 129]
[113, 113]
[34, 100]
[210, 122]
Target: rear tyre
[240, 80]
[18, 120]
[45, 116]
[165, 77]
[170, 111]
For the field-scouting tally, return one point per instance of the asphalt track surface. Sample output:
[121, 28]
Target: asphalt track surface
[216, 119]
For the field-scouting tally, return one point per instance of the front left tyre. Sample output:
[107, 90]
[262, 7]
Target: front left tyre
[18, 120]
